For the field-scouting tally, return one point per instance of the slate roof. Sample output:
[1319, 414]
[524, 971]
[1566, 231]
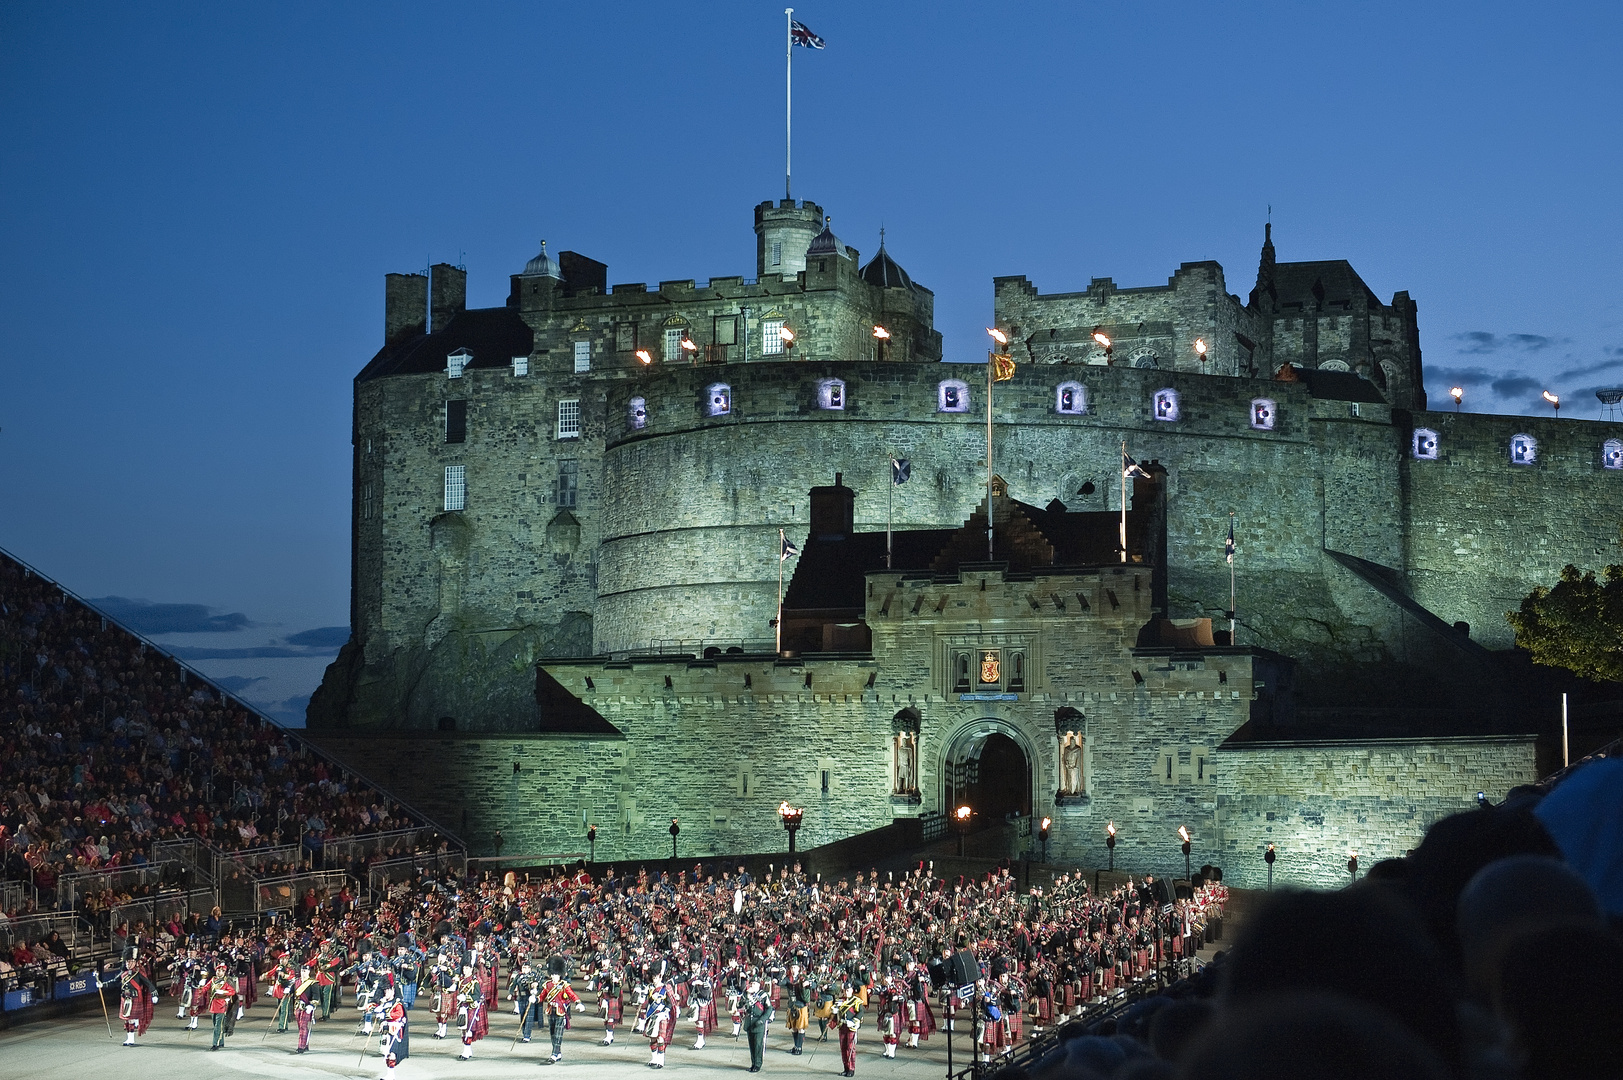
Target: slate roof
[1339, 385]
[493, 335]
[1334, 282]
[883, 271]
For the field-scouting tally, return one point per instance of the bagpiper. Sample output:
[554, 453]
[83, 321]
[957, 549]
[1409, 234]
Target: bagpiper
[395, 1041]
[556, 998]
[137, 998]
[308, 991]
[470, 1003]
[657, 1018]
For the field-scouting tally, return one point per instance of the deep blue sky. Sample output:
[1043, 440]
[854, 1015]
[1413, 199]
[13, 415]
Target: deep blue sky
[199, 203]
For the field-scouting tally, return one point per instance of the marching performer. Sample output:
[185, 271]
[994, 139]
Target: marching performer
[220, 995]
[470, 1003]
[307, 994]
[757, 1013]
[523, 993]
[137, 997]
[395, 1044]
[556, 997]
[702, 991]
[658, 1019]
[848, 1015]
[610, 980]
[799, 992]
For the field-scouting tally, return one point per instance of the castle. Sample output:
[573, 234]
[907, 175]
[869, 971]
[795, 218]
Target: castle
[567, 524]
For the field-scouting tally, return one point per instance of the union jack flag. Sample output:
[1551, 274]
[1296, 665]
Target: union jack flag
[800, 34]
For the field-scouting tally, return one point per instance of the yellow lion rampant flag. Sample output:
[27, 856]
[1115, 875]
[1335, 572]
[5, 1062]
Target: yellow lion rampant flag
[1002, 367]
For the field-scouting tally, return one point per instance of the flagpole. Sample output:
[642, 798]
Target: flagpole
[778, 642]
[890, 511]
[788, 91]
[989, 365]
[1124, 500]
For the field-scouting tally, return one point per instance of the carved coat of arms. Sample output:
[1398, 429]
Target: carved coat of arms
[991, 666]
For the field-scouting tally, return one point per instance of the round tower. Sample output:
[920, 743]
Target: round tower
[783, 232]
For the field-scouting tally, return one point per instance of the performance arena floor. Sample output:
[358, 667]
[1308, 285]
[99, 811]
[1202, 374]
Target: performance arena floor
[78, 1048]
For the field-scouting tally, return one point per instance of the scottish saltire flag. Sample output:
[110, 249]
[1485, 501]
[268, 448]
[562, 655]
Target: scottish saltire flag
[800, 34]
[900, 470]
[1228, 549]
[788, 549]
[1132, 468]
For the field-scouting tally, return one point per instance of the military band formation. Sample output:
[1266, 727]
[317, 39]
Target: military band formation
[683, 959]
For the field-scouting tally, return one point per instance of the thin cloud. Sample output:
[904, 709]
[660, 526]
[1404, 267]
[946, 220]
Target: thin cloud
[1515, 386]
[236, 684]
[1484, 343]
[1460, 376]
[1477, 342]
[259, 652]
[1531, 342]
[143, 616]
[1592, 369]
[322, 637]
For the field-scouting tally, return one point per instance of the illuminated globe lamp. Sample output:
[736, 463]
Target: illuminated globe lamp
[645, 356]
[787, 336]
[961, 815]
[1200, 351]
[1104, 343]
[1183, 834]
[791, 816]
[690, 347]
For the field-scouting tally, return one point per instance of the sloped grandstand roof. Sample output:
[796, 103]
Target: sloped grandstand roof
[493, 335]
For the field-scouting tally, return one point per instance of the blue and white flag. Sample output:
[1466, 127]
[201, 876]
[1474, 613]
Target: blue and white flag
[1132, 468]
[788, 549]
[1228, 549]
[800, 34]
[900, 470]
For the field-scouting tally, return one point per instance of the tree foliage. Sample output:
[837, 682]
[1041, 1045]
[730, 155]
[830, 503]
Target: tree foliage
[1577, 625]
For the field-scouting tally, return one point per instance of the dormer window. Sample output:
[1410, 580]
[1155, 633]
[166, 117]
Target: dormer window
[952, 395]
[831, 394]
[1424, 446]
[521, 366]
[456, 362]
[1523, 449]
[718, 398]
[1263, 412]
[1070, 399]
[1165, 405]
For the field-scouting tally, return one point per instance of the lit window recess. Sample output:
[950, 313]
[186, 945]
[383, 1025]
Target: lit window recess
[637, 413]
[1611, 454]
[1523, 450]
[1070, 399]
[831, 394]
[583, 357]
[718, 398]
[456, 487]
[1263, 414]
[772, 337]
[521, 366]
[1165, 405]
[1424, 446]
[952, 395]
[569, 418]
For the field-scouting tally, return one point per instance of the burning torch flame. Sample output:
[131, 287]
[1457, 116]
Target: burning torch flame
[1183, 833]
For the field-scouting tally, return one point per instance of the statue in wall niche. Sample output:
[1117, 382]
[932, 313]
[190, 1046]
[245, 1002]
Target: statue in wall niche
[1070, 763]
[905, 752]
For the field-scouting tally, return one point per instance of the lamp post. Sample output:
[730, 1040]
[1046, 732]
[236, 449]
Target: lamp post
[787, 336]
[1200, 351]
[1268, 857]
[1352, 867]
[1457, 392]
[1555, 400]
[962, 817]
[881, 335]
[1110, 844]
[690, 347]
[1104, 343]
[645, 356]
[791, 822]
[675, 831]
[1042, 834]
[591, 842]
[1183, 834]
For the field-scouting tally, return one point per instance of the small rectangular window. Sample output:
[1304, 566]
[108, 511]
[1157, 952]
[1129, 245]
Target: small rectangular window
[456, 421]
[1015, 674]
[960, 672]
[569, 418]
[825, 781]
[625, 337]
[366, 502]
[583, 356]
[726, 330]
[521, 365]
[456, 487]
[673, 344]
[771, 337]
[777, 260]
[568, 482]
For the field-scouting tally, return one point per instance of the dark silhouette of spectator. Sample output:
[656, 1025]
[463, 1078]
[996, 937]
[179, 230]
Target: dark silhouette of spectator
[1566, 1027]
[1310, 1037]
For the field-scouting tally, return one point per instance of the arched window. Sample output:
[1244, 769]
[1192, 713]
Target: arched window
[1333, 364]
[1611, 454]
[1263, 412]
[1070, 399]
[1145, 359]
[1523, 449]
[952, 396]
[1424, 445]
[831, 394]
[718, 399]
[637, 413]
[1165, 405]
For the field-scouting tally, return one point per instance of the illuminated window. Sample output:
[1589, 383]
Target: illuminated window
[1070, 399]
[456, 487]
[521, 365]
[1611, 454]
[1523, 449]
[952, 396]
[718, 399]
[831, 394]
[455, 362]
[1262, 414]
[673, 344]
[637, 413]
[771, 337]
[583, 356]
[1166, 405]
[569, 418]
[1424, 446]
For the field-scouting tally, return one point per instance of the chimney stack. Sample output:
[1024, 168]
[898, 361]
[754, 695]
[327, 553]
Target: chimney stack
[449, 286]
[405, 306]
[833, 511]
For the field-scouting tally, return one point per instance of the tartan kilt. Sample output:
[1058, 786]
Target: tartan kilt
[659, 1032]
[920, 1020]
[1073, 990]
[613, 1008]
[799, 1018]
[706, 1022]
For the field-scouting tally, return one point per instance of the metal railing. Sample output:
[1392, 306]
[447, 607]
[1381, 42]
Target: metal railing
[380, 876]
[341, 853]
[189, 852]
[72, 888]
[284, 893]
[32, 929]
[699, 647]
[153, 911]
[17, 895]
